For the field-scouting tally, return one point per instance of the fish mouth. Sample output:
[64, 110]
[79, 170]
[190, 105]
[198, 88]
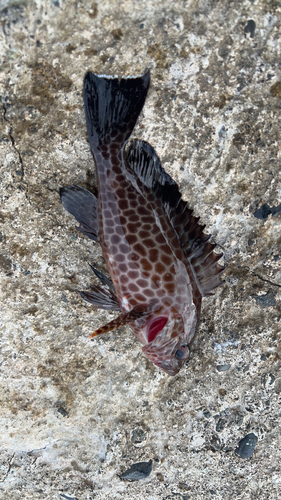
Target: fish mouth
[163, 356]
[155, 326]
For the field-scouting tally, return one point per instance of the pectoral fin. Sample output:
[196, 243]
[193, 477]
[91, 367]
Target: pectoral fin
[121, 320]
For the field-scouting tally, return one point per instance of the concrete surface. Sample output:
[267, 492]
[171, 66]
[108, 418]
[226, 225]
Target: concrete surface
[75, 414]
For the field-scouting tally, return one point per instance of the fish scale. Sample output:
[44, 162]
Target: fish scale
[159, 259]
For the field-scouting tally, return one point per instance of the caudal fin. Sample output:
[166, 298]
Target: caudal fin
[112, 107]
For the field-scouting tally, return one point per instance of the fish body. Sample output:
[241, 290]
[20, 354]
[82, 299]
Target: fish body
[159, 259]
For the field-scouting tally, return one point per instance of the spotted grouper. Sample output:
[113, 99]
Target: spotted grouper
[160, 262]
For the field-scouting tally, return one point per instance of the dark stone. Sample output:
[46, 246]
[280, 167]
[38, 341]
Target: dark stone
[250, 28]
[138, 436]
[263, 357]
[275, 89]
[247, 446]
[220, 424]
[276, 210]
[223, 368]
[137, 471]
[215, 444]
[62, 411]
[177, 496]
[264, 211]
[266, 300]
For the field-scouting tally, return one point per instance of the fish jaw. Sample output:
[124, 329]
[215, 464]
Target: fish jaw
[165, 347]
[165, 358]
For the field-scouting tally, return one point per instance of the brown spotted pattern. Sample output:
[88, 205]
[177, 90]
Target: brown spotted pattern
[155, 250]
[144, 257]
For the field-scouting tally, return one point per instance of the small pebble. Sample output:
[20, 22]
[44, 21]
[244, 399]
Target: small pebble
[137, 471]
[246, 446]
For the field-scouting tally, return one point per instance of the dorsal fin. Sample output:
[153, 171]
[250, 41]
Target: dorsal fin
[145, 163]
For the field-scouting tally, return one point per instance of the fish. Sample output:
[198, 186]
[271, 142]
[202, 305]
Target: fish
[160, 261]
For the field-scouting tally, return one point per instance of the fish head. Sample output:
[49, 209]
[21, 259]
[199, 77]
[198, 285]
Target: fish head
[165, 347]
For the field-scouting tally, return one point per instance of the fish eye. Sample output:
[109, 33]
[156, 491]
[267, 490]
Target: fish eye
[182, 353]
[179, 354]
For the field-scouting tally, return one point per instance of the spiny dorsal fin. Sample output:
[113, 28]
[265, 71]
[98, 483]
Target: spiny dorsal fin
[144, 161]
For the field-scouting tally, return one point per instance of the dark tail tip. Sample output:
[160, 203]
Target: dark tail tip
[112, 106]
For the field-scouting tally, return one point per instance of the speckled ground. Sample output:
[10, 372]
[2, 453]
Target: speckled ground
[75, 414]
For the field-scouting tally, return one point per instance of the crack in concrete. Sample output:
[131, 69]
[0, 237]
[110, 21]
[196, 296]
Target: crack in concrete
[22, 171]
[14, 145]
[9, 468]
[258, 276]
[264, 279]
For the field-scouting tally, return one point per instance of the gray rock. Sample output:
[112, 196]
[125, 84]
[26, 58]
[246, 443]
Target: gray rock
[137, 471]
[223, 368]
[246, 446]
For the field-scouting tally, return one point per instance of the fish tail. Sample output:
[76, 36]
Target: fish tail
[112, 108]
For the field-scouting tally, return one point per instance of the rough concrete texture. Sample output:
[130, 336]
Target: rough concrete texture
[76, 414]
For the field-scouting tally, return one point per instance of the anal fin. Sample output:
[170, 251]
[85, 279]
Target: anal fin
[102, 297]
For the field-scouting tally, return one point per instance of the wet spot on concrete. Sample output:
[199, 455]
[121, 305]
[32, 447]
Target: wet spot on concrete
[275, 89]
[266, 300]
